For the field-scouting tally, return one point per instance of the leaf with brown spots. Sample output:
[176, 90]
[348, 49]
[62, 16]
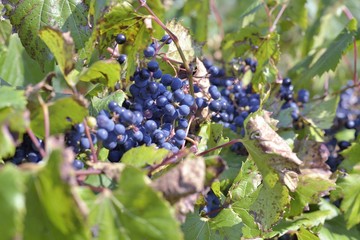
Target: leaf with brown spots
[269, 151]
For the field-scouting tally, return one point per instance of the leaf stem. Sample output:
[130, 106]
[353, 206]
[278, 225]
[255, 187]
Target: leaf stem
[176, 42]
[220, 146]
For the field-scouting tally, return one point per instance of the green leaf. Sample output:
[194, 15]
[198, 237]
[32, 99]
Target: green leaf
[5, 32]
[211, 136]
[12, 201]
[16, 66]
[98, 104]
[62, 47]
[351, 201]
[309, 191]
[226, 225]
[307, 220]
[118, 17]
[331, 57]
[29, 17]
[53, 210]
[270, 204]
[321, 114]
[132, 211]
[245, 185]
[304, 234]
[7, 143]
[144, 155]
[10, 97]
[335, 229]
[63, 113]
[106, 72]
[351, 157]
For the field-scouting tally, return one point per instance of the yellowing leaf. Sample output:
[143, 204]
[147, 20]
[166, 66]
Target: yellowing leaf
[184, 38]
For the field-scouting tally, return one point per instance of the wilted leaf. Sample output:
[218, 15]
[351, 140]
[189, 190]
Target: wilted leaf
[181, 185]
[269, 151]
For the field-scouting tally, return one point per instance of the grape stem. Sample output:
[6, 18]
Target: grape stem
[93, 152]
[35, 141]
[176, 42]
[273, 27]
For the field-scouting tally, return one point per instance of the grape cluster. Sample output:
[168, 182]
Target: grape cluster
[287, 94]
[27, 151]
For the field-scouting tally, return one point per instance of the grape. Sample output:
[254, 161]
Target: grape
[214, 92]
[166, 79]
[85, 143]
[201, 102]
[119, 129]
[145, 74]
[303, 96]
[179, 95]
[188, 100]
[33, 157]
[80, 128]
[153, 66]
[176, 84]
[149, 52]
[150, 126]
[183, 123]
[115, 155]
[213, 70]
[120, 38]
[166, 145]
[215, 105]
[127, 117]
[161, 101]
[102, 134]
[286, 82]
[184, 110]
[122, 58]
[158, 136]
[180, 134]
[344, 145]
[166, 38]
[157, 74]
[169, 109]
[77, 164]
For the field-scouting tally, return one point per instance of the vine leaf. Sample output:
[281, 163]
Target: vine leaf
[106, 72]
[134, 210]
[63, 113]
[17, 67]
[12, 106]
[28, 18]
[144, 155]
[226, 225]
[331, 57]
[184, 38]
[182, 184]
[62, 47]
[12, 201]
[270, 152]
[54, 185]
